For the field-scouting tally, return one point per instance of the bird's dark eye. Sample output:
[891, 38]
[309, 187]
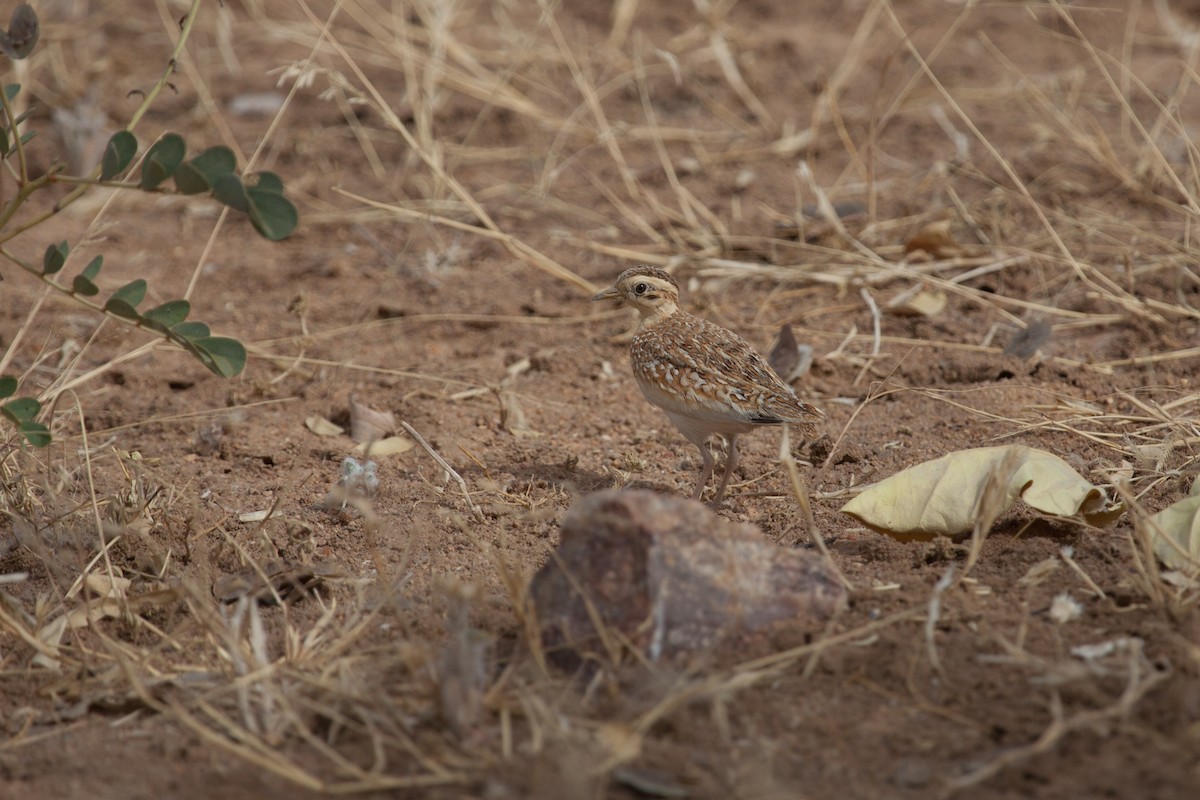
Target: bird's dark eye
[641, 288]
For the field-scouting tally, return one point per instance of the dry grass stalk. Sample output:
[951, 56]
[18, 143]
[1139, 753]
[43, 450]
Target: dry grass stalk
[800, 492]
[450, 471]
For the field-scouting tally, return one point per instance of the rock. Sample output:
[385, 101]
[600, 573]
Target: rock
[673, 577]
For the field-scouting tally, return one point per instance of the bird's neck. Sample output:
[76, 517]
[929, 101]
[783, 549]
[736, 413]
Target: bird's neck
[659, 313]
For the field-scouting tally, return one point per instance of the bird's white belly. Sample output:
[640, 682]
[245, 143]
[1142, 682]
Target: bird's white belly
[696, 421]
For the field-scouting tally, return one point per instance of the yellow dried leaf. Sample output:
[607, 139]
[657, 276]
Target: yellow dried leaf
[87, 614]
[323, 427]
[924, 303]
[1176, 534]
[940, 497]
[106, 586]
[935, 240]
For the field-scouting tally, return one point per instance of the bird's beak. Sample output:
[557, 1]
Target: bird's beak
[608, 294]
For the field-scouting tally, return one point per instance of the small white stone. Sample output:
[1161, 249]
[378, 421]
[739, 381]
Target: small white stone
[1065, 608]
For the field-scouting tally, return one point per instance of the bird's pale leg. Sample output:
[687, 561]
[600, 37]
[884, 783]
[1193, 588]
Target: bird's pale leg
[706, 470]
[730, 463]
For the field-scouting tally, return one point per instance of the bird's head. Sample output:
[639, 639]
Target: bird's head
[650, 290]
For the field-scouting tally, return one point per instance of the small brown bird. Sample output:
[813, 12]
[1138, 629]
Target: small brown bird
[707, 379]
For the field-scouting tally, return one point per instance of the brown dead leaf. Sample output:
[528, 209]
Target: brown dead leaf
[368, 424]
[935, 241]
[1026, 342]
[789, 358]
[512, 416]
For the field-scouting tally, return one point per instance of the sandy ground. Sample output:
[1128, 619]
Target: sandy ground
[467, 175]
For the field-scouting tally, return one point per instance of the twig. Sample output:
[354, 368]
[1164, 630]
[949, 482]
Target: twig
[449, 469]
[876, 334]
[935, 613]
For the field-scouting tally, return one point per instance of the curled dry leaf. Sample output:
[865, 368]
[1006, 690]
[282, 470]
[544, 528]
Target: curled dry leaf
[96, 610]
[1175, 532]
[101, 585]
[939, 497]
[1026, 342]
[111, 591]
[789, 358]
[50, 635]
[323, 427]
[512, 416]
[368, 424]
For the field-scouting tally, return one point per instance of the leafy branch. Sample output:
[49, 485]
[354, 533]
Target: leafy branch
[213, 171]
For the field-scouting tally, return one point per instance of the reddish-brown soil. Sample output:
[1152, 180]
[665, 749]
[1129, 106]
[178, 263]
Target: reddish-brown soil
[1058, 146]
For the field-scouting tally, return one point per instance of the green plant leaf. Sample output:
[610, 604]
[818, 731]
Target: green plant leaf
[169, 314]
[132, 293]
[8, 386]
[4, 145]
[121, 308]
[11, 90]
[265, 182]
[21, 409]
[35, 433]
[201, 173]
[272, 214]
[85, 287]
[83, 283]
[93, 268]
[191, 330]
[118, 153]
[55, 258]
[228, 189]
[162, 159]
[22, 34]
[224, 356]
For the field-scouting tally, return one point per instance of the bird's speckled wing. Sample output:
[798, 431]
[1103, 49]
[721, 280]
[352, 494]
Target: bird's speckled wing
[691, 366]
